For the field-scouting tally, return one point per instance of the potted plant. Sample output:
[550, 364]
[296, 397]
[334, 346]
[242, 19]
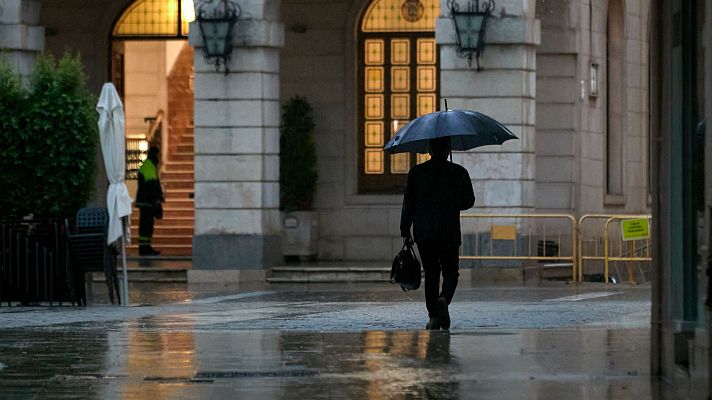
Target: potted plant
[298, 179]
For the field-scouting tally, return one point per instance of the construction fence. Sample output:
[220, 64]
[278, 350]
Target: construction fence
[610, 248]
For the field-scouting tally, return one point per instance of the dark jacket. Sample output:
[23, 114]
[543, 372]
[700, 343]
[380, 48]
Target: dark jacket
[149, 186]
[435, 194]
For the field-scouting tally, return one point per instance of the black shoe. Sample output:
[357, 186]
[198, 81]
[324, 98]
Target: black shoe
[433, 324]
[443, 314]
[147, 250]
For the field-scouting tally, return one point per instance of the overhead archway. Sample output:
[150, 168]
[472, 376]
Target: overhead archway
[152, 68]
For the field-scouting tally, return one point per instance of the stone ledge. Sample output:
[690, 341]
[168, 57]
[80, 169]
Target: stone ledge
[226, 276]
[22, 37]
[499, 31]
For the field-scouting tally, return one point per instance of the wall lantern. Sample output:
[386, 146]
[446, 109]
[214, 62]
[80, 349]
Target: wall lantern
[470, 27]
[593, 90]
[216, 20]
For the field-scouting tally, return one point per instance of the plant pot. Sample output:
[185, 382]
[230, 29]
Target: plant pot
[300, 233]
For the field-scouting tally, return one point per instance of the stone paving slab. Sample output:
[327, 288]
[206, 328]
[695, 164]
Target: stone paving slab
[359, 342]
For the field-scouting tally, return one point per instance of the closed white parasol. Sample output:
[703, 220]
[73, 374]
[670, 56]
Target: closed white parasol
[113, 147]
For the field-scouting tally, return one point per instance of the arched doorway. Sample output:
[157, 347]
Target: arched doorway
[398, 81]
[152, 68]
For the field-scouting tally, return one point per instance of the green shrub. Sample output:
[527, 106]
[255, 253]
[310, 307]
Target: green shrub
[55, 141]
[13, 134]
[298, 166]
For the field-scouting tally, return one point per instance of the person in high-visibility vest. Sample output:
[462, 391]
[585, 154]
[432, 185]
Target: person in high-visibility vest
[148, 200]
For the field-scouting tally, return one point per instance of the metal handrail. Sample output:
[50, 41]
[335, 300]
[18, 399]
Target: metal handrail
[153, 133]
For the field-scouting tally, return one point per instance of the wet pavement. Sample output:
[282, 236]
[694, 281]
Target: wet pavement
[333, 342]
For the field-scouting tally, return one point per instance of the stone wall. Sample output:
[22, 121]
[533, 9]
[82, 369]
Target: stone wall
[557, 103]
[318, 61]
[20, 36]
[571, 122]
[237, 224]
[503, 177]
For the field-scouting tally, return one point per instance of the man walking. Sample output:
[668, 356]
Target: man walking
[148, 200]
[436, 192]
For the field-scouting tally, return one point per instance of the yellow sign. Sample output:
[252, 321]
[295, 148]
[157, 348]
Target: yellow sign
[504, 232]
[634, 229]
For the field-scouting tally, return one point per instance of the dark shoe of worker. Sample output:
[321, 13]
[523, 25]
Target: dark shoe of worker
[147, 250]
[443, 314]
[433, 324]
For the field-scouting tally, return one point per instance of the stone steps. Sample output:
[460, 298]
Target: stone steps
[328, 274]
[156, 275]
[178, 184]
[181, 157]
[165, 249]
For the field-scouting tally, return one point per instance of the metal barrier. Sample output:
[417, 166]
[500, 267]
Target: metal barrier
[627, 258]
[33, 267]
[602, 244]
[549, 244]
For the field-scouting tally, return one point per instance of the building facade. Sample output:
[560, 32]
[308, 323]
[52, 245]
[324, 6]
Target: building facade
[682, 178]
[568, 77]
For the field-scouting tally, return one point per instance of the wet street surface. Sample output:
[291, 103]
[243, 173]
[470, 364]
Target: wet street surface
[333, 342]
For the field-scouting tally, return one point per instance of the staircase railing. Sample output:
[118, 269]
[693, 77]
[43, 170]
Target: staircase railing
[137, 147]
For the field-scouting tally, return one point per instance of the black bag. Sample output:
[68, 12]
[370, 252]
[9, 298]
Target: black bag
[158, 210]
[406, 268]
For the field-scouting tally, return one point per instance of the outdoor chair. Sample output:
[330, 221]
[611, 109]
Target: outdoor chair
[88, 251]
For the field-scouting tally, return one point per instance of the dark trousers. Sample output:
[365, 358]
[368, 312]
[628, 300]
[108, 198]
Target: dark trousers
[439, 258]
[145, 225]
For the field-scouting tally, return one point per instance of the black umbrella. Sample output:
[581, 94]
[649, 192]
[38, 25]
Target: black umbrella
[466, 129]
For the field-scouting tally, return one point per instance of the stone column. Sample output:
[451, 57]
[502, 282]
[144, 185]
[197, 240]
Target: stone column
[21, 40]
[503, 177]
[237, 224]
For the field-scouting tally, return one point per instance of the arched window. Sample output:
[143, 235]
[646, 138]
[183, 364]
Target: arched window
[615, 98]
[397, 81]
[156, 19]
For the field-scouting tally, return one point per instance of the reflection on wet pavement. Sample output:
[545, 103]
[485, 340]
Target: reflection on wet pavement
[363, 343]
[148, 360]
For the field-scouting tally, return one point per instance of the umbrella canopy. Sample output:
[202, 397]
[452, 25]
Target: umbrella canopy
[467, 130]
[113, 146]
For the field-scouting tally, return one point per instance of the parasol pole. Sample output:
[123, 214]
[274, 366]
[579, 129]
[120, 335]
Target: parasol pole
[125, 286]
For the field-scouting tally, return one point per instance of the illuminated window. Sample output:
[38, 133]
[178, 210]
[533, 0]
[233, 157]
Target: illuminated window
[156, 18]
[398, 81]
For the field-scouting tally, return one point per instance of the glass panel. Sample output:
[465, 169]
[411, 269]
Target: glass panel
[426, 104]
[187, 10]
[468, 29]
[423, 158]
[401, 15]
[400, 163]
[426, 51]
[374, 52]
[149, 18]
[400, 106]
[400, 51]
[396, 124]
[374, 161]
[374, 106]
[374, 79]
[400, 79]
[374, 133]
[426, 79]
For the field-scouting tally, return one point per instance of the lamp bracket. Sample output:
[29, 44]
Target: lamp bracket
[474, 6]
[482, 8]
[217, 9]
